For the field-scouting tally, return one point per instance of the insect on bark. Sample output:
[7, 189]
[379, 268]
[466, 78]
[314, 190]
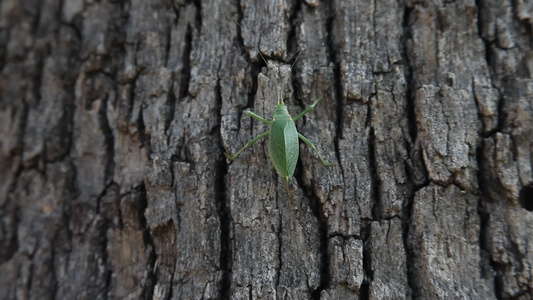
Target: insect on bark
[283, 142]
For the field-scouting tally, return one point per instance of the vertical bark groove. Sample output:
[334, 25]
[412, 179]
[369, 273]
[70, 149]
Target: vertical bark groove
[224, 217]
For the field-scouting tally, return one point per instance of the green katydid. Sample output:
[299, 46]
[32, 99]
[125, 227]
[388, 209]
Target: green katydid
[283, 138]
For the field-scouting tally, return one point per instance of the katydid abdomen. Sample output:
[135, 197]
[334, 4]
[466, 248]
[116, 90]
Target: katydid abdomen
[283, 146]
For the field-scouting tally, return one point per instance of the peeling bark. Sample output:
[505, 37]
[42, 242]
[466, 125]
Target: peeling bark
[115, 116]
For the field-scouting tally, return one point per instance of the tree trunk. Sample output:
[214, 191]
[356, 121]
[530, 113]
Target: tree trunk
[115, 116]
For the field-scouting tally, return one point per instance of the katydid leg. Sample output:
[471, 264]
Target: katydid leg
[250, 143]
[252, 114]
[308, 109]
[314, 148]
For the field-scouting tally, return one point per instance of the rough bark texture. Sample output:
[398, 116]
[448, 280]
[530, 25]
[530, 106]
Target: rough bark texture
[114, 117]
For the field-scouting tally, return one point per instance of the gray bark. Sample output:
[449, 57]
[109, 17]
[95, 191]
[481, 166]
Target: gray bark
[115, 116]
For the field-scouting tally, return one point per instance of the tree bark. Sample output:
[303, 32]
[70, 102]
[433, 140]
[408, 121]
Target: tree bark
[115, 116]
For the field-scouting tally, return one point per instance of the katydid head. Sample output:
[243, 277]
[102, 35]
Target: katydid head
[281, 112]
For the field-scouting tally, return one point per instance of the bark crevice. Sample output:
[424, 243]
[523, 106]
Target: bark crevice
[224, 213]
[149, 246]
